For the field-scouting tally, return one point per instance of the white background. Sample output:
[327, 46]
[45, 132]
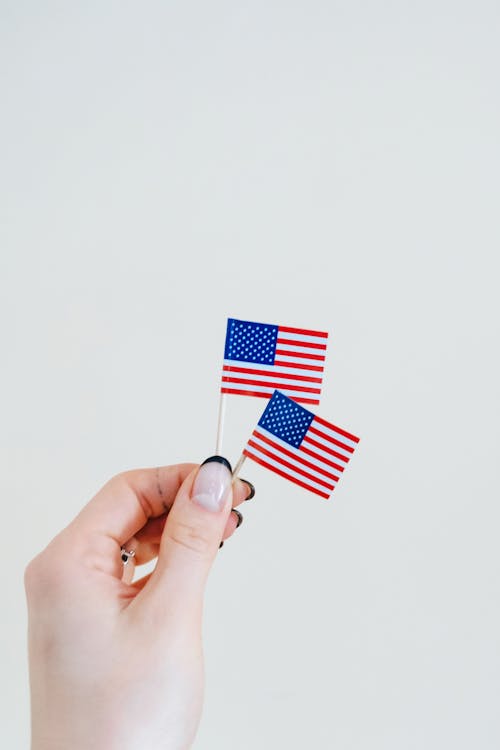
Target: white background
[165, 165]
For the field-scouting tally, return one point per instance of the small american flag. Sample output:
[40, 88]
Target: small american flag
[259, 358]
[297, 445]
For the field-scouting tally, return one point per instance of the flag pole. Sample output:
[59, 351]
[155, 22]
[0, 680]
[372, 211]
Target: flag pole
[238, 466]
[220, 424]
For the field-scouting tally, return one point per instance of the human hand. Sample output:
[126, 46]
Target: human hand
[116, 664]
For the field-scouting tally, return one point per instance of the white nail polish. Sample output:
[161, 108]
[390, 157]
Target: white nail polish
[212, 484]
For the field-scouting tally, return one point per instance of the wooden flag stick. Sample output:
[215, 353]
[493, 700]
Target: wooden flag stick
[238, 466]
[220, 424]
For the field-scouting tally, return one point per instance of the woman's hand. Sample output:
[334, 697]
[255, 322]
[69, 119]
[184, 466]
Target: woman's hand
[115, 664]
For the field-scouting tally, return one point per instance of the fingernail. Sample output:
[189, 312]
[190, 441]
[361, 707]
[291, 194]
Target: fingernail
[221, 544]
[212, 483]
[220, 460]
[251, 489]
[238, 516]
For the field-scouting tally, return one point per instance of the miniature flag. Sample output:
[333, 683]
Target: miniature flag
[259, 358]
[297, 445]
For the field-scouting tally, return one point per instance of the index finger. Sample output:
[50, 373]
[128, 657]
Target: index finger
[129, 500]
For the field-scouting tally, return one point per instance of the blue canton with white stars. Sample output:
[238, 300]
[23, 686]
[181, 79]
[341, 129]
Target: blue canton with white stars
[250, 342]
[286, 419]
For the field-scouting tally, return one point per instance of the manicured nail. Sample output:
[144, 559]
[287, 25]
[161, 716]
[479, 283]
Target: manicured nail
[251, 489]
[212, 483]
[221, 544]
[238, 516]
[218, 459]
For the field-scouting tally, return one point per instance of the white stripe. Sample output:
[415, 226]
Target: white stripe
[327, 444]
[291, 472]
[324, 454]
[331, 432]
[269, 389]
[287, 446]
[302, 337]
[270, 369]
[269, 377]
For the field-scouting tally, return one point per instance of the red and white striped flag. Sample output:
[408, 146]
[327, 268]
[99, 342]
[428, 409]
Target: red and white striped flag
[297, 445]
[259, 358]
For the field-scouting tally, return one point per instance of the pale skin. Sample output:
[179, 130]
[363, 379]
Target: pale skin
[115, 664]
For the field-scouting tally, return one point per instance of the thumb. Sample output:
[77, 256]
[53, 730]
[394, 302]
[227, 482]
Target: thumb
[192, 535]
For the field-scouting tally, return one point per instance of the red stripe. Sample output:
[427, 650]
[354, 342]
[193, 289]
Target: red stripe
[298, 365]
[284, 353]
[279, 447]
[278, 458]
[337, 429]
[321, 458]
[267, 384]
[237, 392]
[284, 474]
[303, 332]
[246, 393]
[331, 439]
[290, 375]
[327, 450]
[293, 342]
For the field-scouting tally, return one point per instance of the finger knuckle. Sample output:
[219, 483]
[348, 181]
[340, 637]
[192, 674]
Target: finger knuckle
[37, 575]
[193, 537]
[32, 575]
[44, 577]
[132, 481]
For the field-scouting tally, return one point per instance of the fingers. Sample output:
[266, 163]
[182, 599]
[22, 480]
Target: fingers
[233, 522]
[242, 490]
[146, 543]
[126, 503]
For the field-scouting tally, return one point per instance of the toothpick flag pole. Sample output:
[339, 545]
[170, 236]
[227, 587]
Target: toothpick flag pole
[238, 466]
[220, 424]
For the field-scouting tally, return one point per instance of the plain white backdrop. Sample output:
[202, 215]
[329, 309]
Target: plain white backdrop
[165, 165]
